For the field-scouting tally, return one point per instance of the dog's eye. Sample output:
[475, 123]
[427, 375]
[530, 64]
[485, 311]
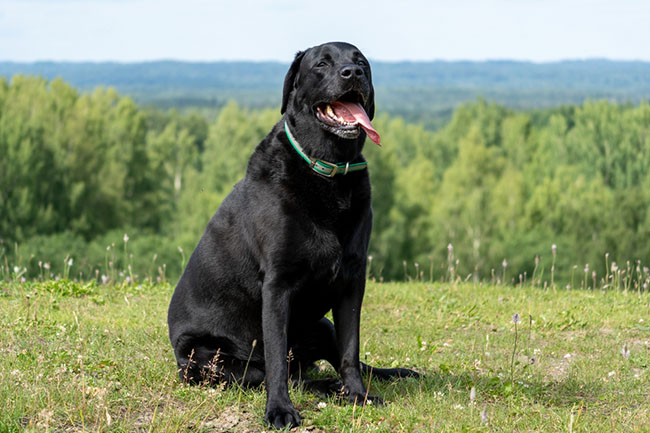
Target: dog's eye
[361, 63]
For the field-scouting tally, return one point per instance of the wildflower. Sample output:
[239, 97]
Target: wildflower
[180, 250]
[70, 262]
[16, 269]
[554, 249]
[472, 394]
[611, 373]
[450, 248]
[46, 265]
[322, 405]
[484, 416]
[587, 268]
[515, 318]
[504, 263]
[625, 351]
[126, 238]
[536, 260]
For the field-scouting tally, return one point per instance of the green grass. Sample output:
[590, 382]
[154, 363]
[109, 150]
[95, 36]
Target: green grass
[86, 357]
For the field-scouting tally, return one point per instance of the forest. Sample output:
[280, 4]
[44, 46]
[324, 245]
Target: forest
[96, 186]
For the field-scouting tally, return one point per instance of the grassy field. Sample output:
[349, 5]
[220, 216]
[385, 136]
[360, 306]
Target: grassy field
[87, 357]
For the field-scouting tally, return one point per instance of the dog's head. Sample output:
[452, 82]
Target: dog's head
[329, 88]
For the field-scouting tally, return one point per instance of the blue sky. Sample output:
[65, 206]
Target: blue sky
[204, 30]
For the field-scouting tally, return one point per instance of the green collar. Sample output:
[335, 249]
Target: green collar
[324, 168]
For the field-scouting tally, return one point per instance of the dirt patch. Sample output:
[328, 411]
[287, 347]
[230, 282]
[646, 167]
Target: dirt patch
[557, 369]
[231, 420]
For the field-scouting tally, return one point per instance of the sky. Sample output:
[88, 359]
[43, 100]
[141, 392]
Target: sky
[209, 30]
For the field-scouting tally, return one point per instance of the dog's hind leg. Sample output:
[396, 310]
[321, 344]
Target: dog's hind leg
[201, 361]
[315, 342]
[312, 344]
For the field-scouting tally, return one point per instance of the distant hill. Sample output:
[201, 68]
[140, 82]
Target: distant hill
[421, 91]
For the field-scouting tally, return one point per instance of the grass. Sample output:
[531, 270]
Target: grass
[88, 357]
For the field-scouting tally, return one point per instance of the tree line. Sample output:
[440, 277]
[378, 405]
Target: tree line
[95, 185]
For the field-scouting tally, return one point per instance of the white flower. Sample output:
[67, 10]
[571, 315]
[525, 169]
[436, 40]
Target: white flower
[472, 394]
[450, 248]
[554, 249]
[104, 279]
[625, 351]
[126, 238]
[70, 262]
[484, 416]
[16, 269]
[46, 265]
[322, 405]
[504, 263]
[611, 373]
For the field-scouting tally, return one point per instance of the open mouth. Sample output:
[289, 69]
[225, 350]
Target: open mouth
[346, 117]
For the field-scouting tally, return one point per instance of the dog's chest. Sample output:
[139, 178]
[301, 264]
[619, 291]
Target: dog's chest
[325, 252]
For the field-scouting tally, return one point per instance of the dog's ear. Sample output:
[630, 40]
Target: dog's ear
[290, 80]
[371, 103]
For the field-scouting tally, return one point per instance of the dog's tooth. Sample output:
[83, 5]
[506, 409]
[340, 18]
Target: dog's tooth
[330, 112]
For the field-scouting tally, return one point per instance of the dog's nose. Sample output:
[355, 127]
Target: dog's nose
[351, 71]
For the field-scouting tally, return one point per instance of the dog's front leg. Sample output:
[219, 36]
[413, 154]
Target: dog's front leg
[347, 315]
[280, 412]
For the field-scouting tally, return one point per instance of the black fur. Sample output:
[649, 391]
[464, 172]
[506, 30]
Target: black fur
[285, 247]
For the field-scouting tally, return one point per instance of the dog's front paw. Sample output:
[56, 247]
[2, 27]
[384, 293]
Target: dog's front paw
[282, 416]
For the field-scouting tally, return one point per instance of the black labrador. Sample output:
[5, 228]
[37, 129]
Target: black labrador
[287, 245]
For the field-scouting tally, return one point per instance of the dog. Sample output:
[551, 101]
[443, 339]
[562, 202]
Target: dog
[286, 246]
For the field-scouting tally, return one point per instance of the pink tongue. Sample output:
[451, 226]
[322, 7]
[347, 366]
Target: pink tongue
[352, 111]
